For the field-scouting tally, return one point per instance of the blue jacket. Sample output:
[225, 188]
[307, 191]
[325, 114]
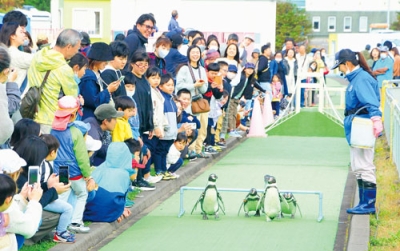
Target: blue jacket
[362, 91]
[185, 119]
[90, 90]
[72, 152]
[174, 26]
[173, 59]
[170, 110]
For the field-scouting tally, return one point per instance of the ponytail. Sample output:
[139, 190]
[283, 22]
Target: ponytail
[363, 64]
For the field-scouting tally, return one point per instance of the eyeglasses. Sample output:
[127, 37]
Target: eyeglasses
[143, 66]
[148, 26]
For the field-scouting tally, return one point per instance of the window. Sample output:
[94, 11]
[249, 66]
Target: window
[89, 20]
[316, 24]
[363, 24]
[347, 24]
[331, 23]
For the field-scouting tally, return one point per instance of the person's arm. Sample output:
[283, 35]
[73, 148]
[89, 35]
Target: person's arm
[184, 79]
[367, 95]
[80, 152]
[90, 92]
[6, 124]
[14, 97]
[256, 85]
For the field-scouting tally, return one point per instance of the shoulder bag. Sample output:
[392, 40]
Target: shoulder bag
[199, 104]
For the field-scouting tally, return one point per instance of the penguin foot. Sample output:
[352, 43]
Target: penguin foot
[292, 216]
[216, 216]
[257, 213]
[268, 219]
[205, 217]
[247, 215]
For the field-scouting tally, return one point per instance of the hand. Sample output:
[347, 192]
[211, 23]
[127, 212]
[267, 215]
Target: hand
[158, 132]
[35, 193]
[24, 191]
[52, 180]
[90, 185]
[61, 188]
[151, 134]
[377, 125]
[81, 100]
[140, 141]
[199, 83]
[12, 76]
[113, 86]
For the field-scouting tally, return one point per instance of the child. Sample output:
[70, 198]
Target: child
[310, 94]
[174, 160]
[276, 87]
[7, 191]
[122, 130]
[57, 206]
[130, 88]
[73, 155]
[170, 110]
[214, 116]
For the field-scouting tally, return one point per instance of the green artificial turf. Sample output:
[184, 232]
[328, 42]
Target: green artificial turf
[298, 163]
[308, 124]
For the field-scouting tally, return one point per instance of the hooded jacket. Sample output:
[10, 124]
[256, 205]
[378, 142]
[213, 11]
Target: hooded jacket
[109, 75]
[61, 78]
[170, 111]
[113, 178]
[136, 41]
[93, 94]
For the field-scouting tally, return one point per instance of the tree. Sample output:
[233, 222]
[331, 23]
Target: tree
[39, 4]
[290, 22]
[7, 5]
[396, 24]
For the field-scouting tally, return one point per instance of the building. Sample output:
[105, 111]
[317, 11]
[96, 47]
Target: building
[102, 19]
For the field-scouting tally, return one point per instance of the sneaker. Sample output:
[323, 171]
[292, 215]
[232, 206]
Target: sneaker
[78, 228]
[217, 148]
[143, 185]
[169, 175]
[234, 134]
[153, 179]
[192, 155]
[175, 175]
[129, 203]
[221, 143]
[64, 237]
[201, 155]
[210, 150]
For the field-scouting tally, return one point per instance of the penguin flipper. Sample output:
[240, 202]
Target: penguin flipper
[197, 202]
[221, 202]
[260, 204]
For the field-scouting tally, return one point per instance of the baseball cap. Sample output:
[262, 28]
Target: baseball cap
[233, 36]
[107, 111]
[343, 56]
[251, 37]
[256, 50]
[10, 162]
[249, 66]
[232, 68]
[384, 48]
[92, 145]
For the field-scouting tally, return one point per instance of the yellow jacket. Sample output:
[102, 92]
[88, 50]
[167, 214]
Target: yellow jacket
[122, 130]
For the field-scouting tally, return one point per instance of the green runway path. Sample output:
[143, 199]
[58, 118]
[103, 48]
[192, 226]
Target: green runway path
[298, 163]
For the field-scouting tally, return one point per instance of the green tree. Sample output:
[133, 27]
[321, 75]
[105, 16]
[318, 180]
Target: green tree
[39, 4]
[396, 24]
[7, 5]
[290, 22]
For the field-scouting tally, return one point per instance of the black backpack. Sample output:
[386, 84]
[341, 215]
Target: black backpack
[30, 103]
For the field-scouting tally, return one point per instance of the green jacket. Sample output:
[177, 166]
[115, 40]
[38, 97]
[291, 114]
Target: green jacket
[61, 78]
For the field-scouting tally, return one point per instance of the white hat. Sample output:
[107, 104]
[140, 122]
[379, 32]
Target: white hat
[251, 37]
[92, 144]
[10, 162]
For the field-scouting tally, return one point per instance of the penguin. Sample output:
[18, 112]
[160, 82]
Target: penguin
[251, 203]
[290, 206]
[210, 200]
[271, 201]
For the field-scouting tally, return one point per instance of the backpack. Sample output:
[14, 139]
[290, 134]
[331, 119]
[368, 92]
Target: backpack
[30, 103]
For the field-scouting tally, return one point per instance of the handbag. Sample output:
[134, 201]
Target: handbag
[199, 104]
[326, 70]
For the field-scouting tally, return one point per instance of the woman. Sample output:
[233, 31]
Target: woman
[232, 57]
[320, 62]
[281, 71]
[93, 89]
[212, 43]
[24, 128]
[361, 93]
[161, 50]
[291, 75]
[396, 65]
[13, 36]
[6, 123]
[375, 55]
[193, 77]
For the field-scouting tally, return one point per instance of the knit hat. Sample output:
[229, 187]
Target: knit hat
[10, 162]
[212, 54]
[107, 111]
[101, 52]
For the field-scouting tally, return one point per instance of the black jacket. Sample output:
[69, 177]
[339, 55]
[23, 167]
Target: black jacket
[248, 89]
[136, 41]
[263, 74]
[144, 103]
[110, 76]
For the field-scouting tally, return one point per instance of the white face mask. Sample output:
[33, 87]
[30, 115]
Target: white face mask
[278, 59]
[162, 53]
[231, 75]
[383, 55]
[202, 48]
[213, 47]
[130, 93]
[26, 42]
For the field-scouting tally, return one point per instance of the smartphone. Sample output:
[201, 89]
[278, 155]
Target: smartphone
[193, 126]
[33, 175]
[121, 78]
[63, 174]
[218, 80]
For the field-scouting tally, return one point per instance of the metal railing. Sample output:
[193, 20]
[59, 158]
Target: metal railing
[182, 190]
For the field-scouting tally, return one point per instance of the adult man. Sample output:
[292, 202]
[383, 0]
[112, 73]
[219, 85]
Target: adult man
[60, 79]
[174, 58]
[303, 62]
[173, 24]
[247, 41]
[232, 39]
[85, 44]
[264, 68]
[137, 39]
[100, 127]
[383, 68]
[365, 52]
[289, 44]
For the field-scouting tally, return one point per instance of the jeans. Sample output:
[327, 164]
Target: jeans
[276, 106]
[80, 193]
[160, 155]
[267, 86]
[65, 209]
[175, 166]
[151, 145]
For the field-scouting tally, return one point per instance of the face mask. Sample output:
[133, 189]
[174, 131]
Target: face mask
[76, 78]
[26, 43]
[162, 53]
[213, 47]
[202, 48]
[383, 55]
[130, 93]
[185, 41]
[312, 68]
[231, 75]
[347, 71]
[323, 54]
[278, 59]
